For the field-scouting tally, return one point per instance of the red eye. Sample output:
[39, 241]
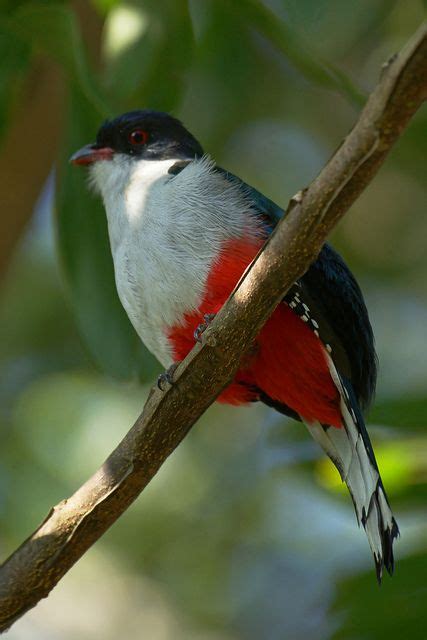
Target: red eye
[138, 137]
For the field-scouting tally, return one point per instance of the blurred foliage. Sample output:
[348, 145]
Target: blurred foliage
[405, 600]
[246, 532]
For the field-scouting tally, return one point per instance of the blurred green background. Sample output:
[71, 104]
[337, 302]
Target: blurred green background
[246, 532]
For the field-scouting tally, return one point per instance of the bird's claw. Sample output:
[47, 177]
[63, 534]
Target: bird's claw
[207, 319]
[167, 377]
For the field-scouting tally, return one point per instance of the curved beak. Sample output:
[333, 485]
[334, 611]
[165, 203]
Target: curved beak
[90, 154]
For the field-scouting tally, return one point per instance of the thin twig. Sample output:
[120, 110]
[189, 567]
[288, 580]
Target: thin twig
[75, 524]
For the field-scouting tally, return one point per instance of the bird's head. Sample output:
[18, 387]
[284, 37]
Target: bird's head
[135, 136]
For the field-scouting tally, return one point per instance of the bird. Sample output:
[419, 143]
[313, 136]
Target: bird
[182, 231]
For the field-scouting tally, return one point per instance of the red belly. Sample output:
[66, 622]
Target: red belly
[288, 361]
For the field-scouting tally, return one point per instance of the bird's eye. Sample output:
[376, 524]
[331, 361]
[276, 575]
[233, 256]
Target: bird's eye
[138, 137]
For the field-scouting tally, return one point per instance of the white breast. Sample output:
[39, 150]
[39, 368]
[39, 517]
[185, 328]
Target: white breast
[165, 232]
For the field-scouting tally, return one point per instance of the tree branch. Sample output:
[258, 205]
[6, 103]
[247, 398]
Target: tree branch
[76, 523]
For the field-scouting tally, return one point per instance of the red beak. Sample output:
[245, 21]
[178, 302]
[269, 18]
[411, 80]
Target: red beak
[91, 153]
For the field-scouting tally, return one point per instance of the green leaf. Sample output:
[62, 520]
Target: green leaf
[15, 57]
[149, 47]
[104, 6]
[396, 610]
[296, 51]
[52, 29]
[86, 259]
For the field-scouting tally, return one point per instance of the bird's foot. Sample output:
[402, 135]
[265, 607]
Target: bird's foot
[207, 319]
[167, 377]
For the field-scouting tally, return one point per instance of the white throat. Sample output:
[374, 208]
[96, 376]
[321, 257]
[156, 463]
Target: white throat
[125, 186]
